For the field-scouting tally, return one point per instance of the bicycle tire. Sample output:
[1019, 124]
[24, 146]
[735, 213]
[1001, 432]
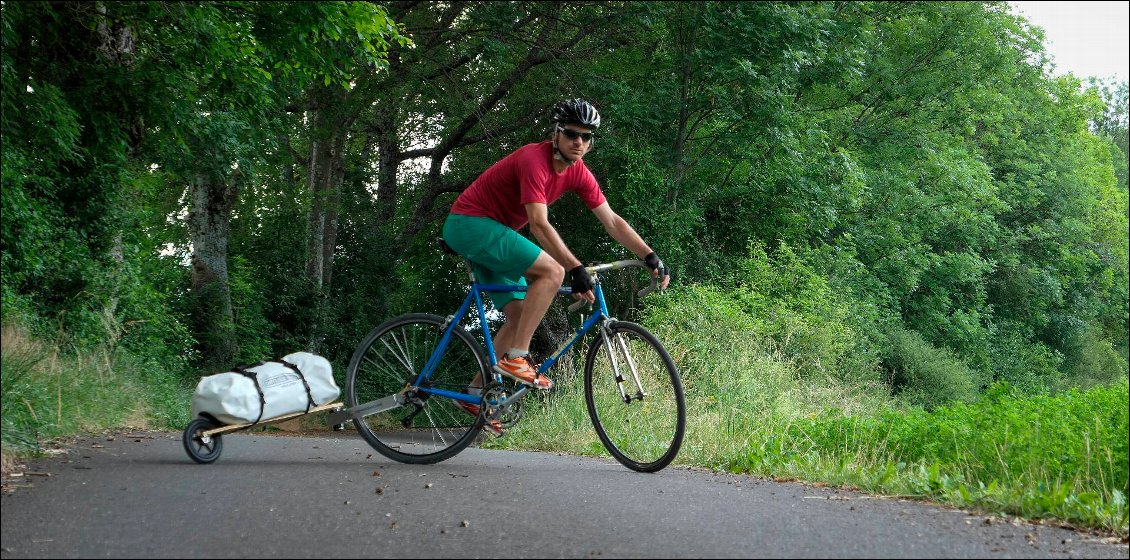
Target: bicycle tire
[643, 435]
[432, 428]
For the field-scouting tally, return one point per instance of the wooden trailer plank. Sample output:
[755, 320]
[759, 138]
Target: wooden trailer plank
[236, 427]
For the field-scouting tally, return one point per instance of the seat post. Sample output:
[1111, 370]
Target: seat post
[466, 263]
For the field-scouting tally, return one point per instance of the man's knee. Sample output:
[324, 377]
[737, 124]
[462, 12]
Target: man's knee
[558, 273]
[548, 268]
[513, 310]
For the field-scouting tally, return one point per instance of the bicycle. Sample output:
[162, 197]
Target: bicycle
[405, 378]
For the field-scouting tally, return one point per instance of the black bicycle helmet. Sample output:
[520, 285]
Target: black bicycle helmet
[576, 111]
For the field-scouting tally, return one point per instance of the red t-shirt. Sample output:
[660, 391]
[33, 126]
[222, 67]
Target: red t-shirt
[526, 175]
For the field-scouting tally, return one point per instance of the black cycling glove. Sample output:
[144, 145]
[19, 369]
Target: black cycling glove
[581, 281]
[653, 262]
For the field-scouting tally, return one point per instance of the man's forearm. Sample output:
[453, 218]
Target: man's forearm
[551, 242]
[624, 234]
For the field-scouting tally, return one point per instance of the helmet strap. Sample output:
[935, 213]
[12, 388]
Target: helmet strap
[557, 155]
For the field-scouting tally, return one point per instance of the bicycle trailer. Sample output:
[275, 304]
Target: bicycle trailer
[264, 393]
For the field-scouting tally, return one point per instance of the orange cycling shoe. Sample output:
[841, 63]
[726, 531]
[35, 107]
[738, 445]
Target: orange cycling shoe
[491, 425]
[521, 370]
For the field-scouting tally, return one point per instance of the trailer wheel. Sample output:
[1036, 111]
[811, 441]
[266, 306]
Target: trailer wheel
[202, 449]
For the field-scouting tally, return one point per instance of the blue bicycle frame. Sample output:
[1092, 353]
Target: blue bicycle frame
[454, 321]
[475, 295]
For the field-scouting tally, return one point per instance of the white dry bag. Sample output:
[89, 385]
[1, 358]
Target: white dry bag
[246, 395]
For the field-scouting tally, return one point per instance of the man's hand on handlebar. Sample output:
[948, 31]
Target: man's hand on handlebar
[582, 284]
[658, 269]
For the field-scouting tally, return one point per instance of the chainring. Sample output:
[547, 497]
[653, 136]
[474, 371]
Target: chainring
[495, 392]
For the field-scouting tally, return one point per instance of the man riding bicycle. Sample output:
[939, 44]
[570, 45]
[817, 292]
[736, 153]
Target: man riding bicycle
[517, 190]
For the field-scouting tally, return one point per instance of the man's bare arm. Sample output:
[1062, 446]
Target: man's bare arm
[620, 230]
[547, 236]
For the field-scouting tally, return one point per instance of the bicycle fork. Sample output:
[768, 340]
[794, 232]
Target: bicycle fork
[640, 393]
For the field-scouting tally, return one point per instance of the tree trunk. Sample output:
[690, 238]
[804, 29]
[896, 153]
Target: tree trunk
[328, 133]
[110, 311]
[213, 320]
[388, 154]
[117, 47]
[317, 181]
[331, 211]
[323, 181]
[687, 35]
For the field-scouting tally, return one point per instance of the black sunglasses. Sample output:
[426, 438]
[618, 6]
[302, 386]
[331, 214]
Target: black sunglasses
[573, 134]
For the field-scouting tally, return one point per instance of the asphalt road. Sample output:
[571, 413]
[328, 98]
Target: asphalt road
[138, 495]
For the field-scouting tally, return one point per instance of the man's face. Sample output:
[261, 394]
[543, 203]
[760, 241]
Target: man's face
[574, 141]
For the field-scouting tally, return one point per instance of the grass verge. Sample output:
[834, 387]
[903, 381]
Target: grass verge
[1059, 457]
[47, 393]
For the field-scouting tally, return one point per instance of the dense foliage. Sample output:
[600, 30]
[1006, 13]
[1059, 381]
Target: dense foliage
[899, 198]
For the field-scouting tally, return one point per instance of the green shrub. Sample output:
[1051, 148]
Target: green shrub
[47, 394]
[741, 386]
[249, 302]
[1031, 367]
[1094, 360]
[794, 309]
[926, 375]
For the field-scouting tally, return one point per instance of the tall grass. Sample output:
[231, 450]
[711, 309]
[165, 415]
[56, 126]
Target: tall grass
[48, 393]
[1039, 456]
[754, 408]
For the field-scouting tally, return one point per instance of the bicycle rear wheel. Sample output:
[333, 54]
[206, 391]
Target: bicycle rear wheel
[645, 431]
[425, 428]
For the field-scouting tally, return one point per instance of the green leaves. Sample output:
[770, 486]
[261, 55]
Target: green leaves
[1061, 456]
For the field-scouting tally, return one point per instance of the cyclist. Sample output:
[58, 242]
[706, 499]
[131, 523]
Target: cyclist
[517, 190]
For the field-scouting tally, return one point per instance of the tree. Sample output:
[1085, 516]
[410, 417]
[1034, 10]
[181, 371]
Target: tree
[243, 78]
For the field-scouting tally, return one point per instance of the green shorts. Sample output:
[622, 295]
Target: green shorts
[498, 254]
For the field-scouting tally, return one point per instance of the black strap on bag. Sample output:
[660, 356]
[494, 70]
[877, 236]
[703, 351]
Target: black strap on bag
[244, 370]
[294, 368]
[255, 378]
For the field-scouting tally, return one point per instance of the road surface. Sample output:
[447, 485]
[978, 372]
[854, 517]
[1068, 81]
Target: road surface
[138, 495]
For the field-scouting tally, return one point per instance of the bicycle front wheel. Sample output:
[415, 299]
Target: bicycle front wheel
[641, 424]
[424, 428]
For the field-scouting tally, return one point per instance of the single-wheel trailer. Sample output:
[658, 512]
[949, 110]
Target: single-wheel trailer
[203, 437]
